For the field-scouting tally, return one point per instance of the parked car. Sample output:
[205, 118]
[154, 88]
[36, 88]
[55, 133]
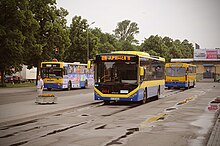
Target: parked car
[16, 79]
[218, 79]
[8, 79]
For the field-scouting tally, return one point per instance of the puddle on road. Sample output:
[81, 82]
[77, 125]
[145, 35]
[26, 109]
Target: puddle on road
[57, 115]
[64, 129]
[19, 124]
[26, 130]
[129, 132]
[19, 143]
[170, 109]
[84, 115]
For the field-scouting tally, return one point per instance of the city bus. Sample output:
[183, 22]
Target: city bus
[128, 76]
[62, 75]
[180, 75]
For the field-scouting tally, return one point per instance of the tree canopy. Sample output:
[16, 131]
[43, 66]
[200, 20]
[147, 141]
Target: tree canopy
[31, 30]
[167, 47]
[126, 30]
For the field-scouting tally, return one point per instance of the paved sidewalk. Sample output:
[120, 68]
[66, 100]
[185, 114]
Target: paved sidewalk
[22, 110]
[214, 139]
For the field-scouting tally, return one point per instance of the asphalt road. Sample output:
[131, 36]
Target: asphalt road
[179, 117]
[13, 95]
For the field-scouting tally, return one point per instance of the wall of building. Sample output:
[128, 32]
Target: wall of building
[205, 71]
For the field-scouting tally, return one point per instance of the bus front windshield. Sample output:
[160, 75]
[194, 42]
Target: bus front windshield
[117, 72]
[51, 72]
[175, 72]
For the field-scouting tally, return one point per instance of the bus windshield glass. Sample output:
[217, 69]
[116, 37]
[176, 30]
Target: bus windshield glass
[175, 72]
[51, 72]
[117, 72]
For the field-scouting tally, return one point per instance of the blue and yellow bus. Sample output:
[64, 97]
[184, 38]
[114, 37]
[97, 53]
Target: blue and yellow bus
[180, 75]
[128, 76]
[62, 75]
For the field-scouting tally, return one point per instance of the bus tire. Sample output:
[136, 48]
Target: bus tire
[187, 87]
[69, 86]
[145, 97]
[194, 83]
[49, 89]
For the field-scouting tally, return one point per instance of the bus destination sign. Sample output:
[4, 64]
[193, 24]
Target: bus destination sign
[51, 65]
[105, 58]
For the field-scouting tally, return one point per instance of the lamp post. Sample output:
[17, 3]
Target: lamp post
[88, 41]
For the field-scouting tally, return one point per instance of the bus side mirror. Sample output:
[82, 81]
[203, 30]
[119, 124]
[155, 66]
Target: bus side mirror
[141, 71]
[89, 64]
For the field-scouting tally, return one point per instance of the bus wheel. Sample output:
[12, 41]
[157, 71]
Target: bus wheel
[69, 86]
[145, 97]
[194, 84]
[49, 89]
[187, 87]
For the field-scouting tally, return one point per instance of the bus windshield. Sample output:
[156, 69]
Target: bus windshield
[51, 72]
[175, 72]
[117, 72]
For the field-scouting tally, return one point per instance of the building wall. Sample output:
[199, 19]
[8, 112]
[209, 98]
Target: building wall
[202, 70]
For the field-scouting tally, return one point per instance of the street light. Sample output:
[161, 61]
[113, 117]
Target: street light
[88, 41]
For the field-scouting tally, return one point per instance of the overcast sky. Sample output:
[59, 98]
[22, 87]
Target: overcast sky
[195, 20]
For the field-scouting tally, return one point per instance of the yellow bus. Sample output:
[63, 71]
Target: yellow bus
[180, 75]
[128, 76]
[62, 75]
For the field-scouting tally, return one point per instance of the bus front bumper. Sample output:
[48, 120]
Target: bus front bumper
[52, 85]
[176, 84]
[135, 97]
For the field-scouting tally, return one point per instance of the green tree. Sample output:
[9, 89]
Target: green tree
[154, 43]
[106, 42]
[167, 47]
[17, 29]
[77, 52]
[53, 32]
[126, 30]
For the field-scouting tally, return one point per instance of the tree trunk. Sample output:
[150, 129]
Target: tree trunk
[3, 78]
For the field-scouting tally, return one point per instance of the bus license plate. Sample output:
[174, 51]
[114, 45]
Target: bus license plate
[114, 98]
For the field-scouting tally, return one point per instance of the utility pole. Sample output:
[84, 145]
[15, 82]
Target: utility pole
[88, 41]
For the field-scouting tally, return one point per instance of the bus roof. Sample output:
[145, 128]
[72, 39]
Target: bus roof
[181, 63]
[141, 54]
[74, 63]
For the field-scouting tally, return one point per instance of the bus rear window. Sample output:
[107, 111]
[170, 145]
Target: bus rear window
[175, 72]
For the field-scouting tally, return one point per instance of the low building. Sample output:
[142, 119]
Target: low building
[207, 62]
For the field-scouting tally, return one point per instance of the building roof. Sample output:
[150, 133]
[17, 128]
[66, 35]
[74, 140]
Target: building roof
[182, 60]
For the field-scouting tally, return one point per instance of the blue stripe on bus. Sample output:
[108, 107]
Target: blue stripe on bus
[46, 85]
[176, 84]
[138, 96]
[132, 98]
